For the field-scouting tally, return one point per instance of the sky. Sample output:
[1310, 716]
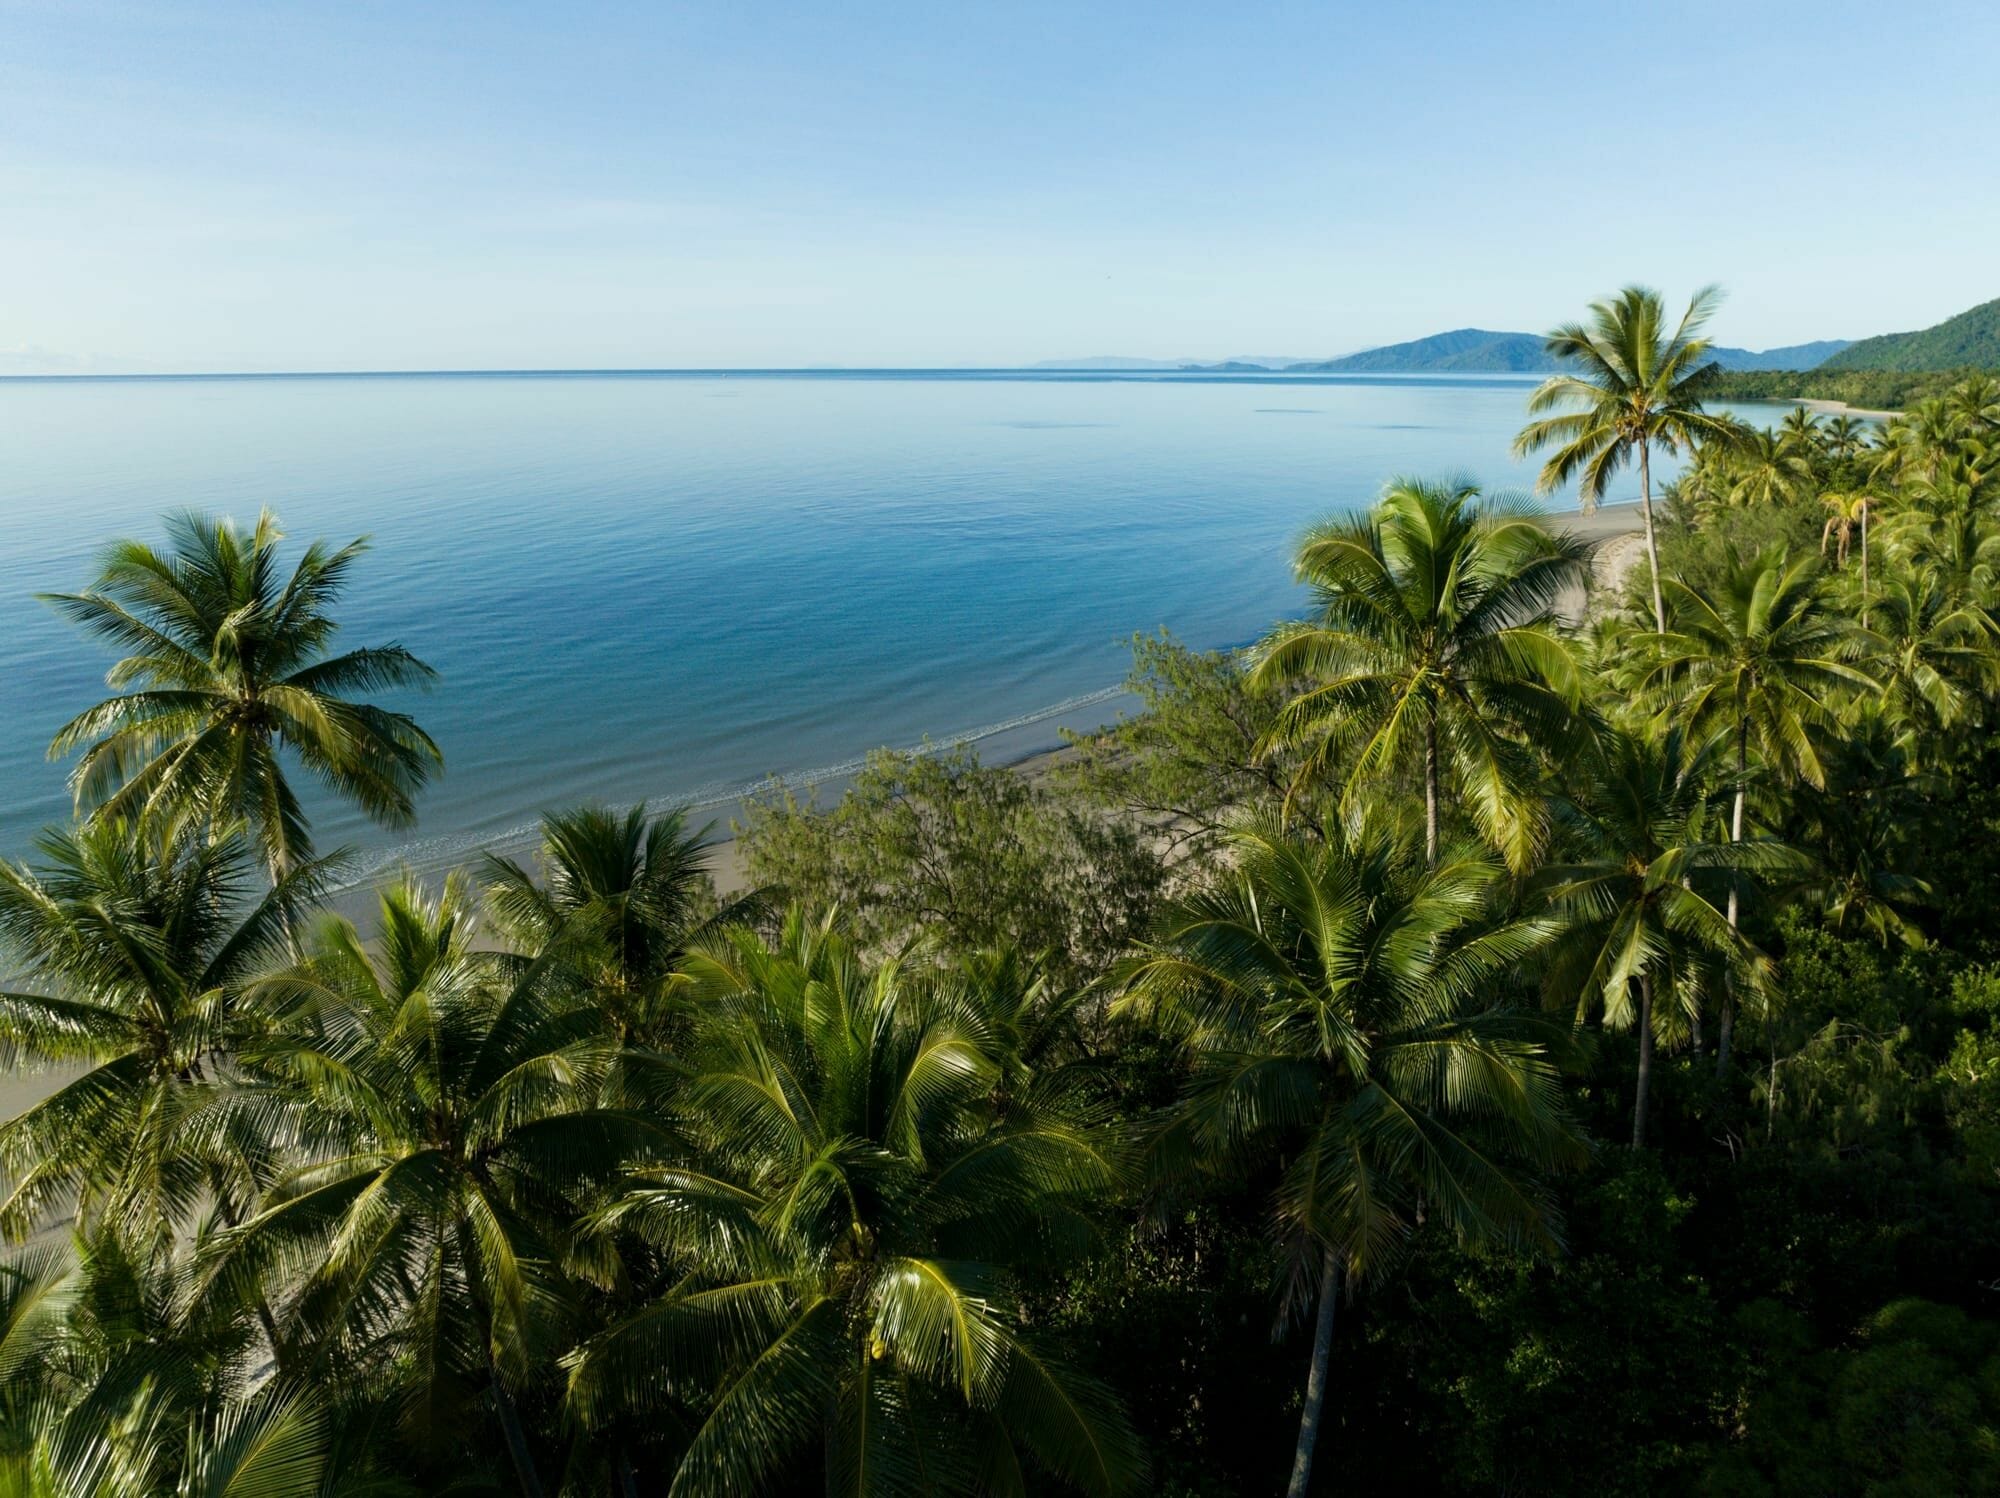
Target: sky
[363, 185]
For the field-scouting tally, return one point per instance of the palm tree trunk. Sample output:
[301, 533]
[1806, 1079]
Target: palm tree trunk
[1644, 1082]
[1652, 543]
[1431, 789]
[1329, 1294]
[1725, 1030]
[1864, 564]
[516, 1438]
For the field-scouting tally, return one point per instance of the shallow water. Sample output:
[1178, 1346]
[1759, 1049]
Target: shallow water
[670, 586]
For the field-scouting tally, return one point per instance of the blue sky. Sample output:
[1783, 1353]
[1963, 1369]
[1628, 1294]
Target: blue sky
[423, 185]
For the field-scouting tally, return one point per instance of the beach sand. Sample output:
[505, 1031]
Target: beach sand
[1841, 408]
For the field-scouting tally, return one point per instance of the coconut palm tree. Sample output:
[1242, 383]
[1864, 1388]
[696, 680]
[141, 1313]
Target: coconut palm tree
[1845, 437]
[109, 1391]
[1847, 519]
[1433, 638]
[1632, 385]
[1933, 656]
[134, 950]
[839, 1248]
[228, 675]
[448, 1125]
[1337, 1002]
[1759, 657]
[1637, 903]
[619, 899]
[1767, 468]
[1801, 431]
[1857, 830]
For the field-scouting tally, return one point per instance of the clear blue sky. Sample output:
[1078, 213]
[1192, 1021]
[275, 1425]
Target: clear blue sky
[406, 185]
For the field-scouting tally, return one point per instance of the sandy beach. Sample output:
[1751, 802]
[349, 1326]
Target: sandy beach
[1841, 408]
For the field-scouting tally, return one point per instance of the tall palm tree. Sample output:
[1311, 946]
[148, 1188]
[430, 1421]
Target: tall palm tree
[229, 672]
[620, 899]
[1857, 829]
[1433, 638]
[109, 1391]
[134, 951]
[1847, 519]
[1802, 432]
[1947, 528]
[1767, 468]
[1638, 901]
[1336, 1001]
[1932, 656]
[1758, 656]
[449, 1125]
[1846, 437]
[1634, 385]
[839, 1248]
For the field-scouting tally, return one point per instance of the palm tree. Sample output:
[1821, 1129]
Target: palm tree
[1946, 529]
[620, 900]
[1857, 828]
[1845, 437]
[449, 1125]
[1634, 385]
[839, 1251]
[135, 950]
[1933, 656]
[229, 667]
[1433, 637]
[1847, 518]
[1637, 905]
[1802, 432]
[1336, 1001]
[1767, 468]
[109, 1392]
[1759, 657]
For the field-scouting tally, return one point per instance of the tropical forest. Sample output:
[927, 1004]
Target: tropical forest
[1522, 1026]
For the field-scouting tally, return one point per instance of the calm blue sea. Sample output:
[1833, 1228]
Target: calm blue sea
[670, 586]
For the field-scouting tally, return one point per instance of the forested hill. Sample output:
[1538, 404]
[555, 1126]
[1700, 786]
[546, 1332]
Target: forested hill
[1970, 340]
[1480, 351]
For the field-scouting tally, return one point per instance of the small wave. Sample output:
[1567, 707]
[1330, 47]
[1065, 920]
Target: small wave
[450, 849]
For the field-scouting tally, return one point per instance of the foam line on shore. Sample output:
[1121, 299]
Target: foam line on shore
[450, 849]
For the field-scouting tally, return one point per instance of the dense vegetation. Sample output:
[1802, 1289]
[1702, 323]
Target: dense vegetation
[1863, 389]
[1457, 1046]
[1969, 340]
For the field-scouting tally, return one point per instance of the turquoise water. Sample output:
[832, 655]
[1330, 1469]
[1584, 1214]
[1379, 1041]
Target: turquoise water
[670, 586]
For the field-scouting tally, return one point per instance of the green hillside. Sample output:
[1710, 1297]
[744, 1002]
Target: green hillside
[1969, 340]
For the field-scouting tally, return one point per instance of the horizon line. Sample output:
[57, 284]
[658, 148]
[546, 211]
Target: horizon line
[587, 371]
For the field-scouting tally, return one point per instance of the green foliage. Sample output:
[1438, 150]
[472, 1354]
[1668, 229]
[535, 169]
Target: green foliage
[1191, 755]
[1863, 389]
[231, 672]
[1914, 1408]
[1971, 340]
[1432, 649]
[938, 847]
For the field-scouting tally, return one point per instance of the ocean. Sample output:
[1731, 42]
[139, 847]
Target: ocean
[671, 586]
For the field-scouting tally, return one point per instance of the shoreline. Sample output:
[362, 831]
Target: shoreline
[1840, 408]
[1613, 530]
